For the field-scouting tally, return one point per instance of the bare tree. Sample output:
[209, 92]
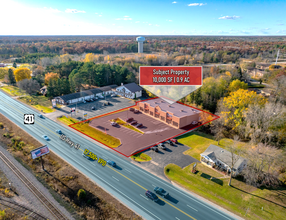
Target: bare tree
[29, 85]
[263, 165]
[261, 122]
[235, 153]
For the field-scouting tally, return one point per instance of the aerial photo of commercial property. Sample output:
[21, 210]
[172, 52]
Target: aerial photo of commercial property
[154, 110]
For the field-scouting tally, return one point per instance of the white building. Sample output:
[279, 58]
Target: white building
[130, 90]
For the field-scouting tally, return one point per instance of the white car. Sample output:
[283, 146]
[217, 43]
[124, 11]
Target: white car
[113, 95]
[101, 97]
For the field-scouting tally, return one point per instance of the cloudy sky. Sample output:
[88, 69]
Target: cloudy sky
[149, 17]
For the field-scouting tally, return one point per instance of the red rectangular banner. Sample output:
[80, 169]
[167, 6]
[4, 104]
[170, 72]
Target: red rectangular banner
[170, 75]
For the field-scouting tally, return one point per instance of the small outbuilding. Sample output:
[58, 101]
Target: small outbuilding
[130, 90]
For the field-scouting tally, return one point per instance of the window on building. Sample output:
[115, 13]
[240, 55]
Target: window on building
[175, 124]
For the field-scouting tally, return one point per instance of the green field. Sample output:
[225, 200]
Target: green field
[67, 121]
[141, 157]
[42, 103]
[199, 142]
[241, 199]
[98, 135]
[13, 90]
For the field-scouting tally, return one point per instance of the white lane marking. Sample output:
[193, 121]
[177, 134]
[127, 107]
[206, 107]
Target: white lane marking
[153, 185]
[192, 208]
[144, 197]
[128, 171]
[154, 163]
[177, 218]
[115, 178]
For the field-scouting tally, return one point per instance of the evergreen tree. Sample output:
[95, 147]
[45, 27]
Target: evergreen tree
[14, 65]
[51, 89]
[198, 97]
[11, 76]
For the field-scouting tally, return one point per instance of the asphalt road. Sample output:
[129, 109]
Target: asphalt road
[126, 182]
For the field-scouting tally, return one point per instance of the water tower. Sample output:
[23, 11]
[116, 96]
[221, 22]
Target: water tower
[140, 41]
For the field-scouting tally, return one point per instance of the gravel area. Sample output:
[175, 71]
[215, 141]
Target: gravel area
[25, 196]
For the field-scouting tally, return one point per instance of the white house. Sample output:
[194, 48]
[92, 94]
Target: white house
[130, 90]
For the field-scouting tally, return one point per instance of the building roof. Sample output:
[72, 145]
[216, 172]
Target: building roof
[176, 109]
[216, 153]
[86, 93]
[132, 87]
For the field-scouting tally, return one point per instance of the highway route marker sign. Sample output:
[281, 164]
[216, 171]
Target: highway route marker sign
[29, 119]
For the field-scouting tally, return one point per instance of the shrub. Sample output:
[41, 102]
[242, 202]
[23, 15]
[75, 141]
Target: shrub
[81, 194]
[7, 135]
[1, 125]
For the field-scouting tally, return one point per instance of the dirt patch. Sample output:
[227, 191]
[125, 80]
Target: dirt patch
[63, 179]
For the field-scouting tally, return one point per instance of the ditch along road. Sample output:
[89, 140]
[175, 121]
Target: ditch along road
[126, 182]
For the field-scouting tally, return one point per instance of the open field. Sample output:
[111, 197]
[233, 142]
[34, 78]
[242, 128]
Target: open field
[13, 90]
[199, 142]
[67, 120]
[97, 134]
[40, 102]
[242, 199]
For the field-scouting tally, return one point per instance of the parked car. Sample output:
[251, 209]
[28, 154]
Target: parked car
[131, 109]
[101, 96]
[155, 148]
[111, 163]
[105, 103]
[129, 119]
[151, 196]
[46, 137]
[40, 116]
[92, 108]
[91, 100]
[136, 110]
[59, 131]
[139, 125]
[95, 98]
[169, 142]
[84, 101]
[133, 123]
[113, 95]
[161, 145]
[161, 192]
[113, 123]
[174, 140]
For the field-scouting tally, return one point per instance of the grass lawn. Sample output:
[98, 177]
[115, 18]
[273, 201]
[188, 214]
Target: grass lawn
[98, 135]
[199, 142]
[126, 125]
[238, 198]
[39, 102]
[13, 90]
[141, 157]
[67, 121]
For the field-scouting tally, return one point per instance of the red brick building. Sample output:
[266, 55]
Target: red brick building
[176, 115]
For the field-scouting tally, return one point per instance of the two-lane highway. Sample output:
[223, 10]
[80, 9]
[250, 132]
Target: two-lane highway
[126, 182]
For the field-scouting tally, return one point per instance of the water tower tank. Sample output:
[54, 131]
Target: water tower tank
[140, 41]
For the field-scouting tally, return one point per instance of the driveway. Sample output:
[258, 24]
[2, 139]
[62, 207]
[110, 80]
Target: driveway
[173, 154]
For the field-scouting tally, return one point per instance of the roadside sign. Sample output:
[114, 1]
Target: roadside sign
[38, 152]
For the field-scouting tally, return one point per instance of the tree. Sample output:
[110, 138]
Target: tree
[22, 73]
[263, 164]
[235, 105]
[81, 194]
[29, 85]
[235, 153]
[51, 75]
[236, 85]
[11, 76]
[14, 65]
[51, 89]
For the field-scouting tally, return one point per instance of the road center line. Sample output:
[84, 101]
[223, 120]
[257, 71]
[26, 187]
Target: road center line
[192, 208]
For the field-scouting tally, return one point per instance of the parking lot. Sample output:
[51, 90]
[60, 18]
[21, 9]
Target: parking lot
[132, 141]
[116, 103]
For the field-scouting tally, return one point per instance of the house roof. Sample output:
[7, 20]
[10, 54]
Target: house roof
[216, 153]
[176, 109]
[86, 93]
[132, 87]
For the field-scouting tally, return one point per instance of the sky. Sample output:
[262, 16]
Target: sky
[148, 17]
